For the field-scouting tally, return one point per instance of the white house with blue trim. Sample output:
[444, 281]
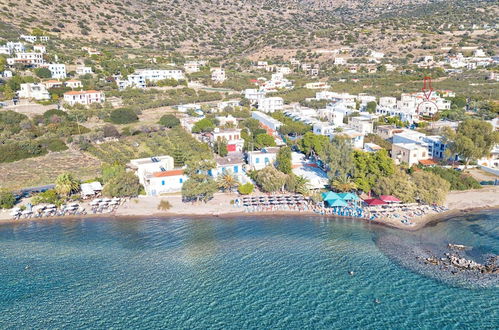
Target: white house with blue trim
[262, 158]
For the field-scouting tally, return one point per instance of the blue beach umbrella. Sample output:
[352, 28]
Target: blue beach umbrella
[336, 203]
[330, 196]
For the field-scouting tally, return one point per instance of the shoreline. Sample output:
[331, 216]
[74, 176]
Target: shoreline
[458, 202]
[425, 221]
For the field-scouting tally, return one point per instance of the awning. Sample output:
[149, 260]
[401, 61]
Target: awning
[349, 196]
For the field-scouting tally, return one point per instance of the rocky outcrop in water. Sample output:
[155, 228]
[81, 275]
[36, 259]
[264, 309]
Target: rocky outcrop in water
[463, 264]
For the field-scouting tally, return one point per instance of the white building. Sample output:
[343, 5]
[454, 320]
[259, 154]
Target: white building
[57, 70]
[317, 85]
[363, 124]
[221, 106]
[232, 136]
[193, 66]
[30, 59]
[40, 48]
[140, 77]
[257, 160]
[84, 97]
[12, 47]
[218, 75]
[34, 91]
[29, 38]
[271, 104]
[158, 175]
[72, 83]
[268, 123]
[83, 70]
[340, 61]
[409, 153]
[254, 95]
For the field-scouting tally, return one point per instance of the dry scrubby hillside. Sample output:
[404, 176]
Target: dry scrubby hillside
[225, 26]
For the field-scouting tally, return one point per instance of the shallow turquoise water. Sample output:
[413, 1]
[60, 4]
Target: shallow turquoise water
[285, 273]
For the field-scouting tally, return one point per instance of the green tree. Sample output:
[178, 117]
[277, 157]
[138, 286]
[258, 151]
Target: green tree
[110, 171]
[269, 179]
[472, 140]
[370, 167]
[49, 196]
[297, 184]
[312, 143]
[284, 160]
[66, 184]
[123, 116]
[123, 184]
[338, 155]
[203, 126]
[220, 147]
[398, 184]
[371, 107]
[169, 121]
[264, 140]
[43, 73]
[246, 189]
[430, 188]
[7, 199]
[200, 186]
[8, 93]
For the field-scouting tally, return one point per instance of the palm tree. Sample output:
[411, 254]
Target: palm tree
[65, 184]
[302, 185]
[343, 183]
[227, 182]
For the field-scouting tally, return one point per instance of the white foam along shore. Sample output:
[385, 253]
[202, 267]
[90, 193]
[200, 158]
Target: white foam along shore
[457, 202]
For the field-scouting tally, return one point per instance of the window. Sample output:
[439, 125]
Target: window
[163, 182]
[181, 180]
[267, 160]
[257, 160]
[236, 169]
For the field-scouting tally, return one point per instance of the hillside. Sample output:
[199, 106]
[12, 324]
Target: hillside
[221, 27]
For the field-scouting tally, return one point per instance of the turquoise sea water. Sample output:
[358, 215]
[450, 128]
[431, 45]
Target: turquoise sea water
[241, 273]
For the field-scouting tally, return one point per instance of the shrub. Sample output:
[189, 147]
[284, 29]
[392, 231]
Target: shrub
[55, 145]
[457, 180]
[246, 189]
[16, 151]
[43, 73]
[164, 205]
[50, 196]
[123, 116]
[169, 121]
[7, 199]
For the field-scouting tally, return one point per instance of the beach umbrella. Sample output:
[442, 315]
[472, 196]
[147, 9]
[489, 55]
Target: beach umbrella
[349, 196]
[389, 199]
[374, 202]
[336, 203]
[329, 196]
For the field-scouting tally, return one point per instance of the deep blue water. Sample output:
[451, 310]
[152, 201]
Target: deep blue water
[279, 273]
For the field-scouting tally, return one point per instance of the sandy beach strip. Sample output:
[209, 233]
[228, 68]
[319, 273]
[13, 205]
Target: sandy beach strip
[458, 202]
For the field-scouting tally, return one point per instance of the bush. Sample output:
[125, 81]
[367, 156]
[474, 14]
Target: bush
[16, 151]
[7, 199]
[246, 189]
[125, 184]
[55, 145]
[169, 121]
[164, 205]
[123, 116]
[50, 197]
[457, 180]
[43, 73]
